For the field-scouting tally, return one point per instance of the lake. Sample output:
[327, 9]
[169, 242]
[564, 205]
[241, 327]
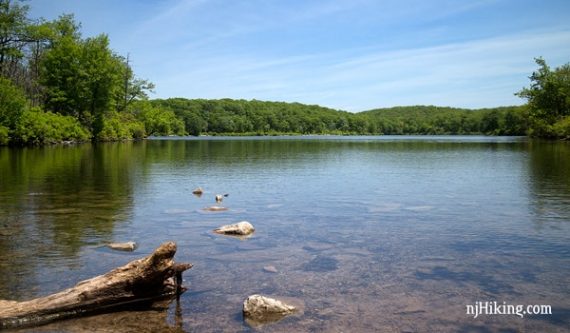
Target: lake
[389, 234]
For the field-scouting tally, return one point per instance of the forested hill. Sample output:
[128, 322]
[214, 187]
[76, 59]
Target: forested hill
[508, 120]
[248, 117]
[241, 117]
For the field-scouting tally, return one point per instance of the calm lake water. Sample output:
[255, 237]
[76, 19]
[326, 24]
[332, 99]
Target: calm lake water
[389, 234]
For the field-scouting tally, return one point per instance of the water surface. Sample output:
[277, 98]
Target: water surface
[367, 233]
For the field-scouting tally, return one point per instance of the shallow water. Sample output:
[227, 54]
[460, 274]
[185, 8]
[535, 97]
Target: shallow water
[391, 234]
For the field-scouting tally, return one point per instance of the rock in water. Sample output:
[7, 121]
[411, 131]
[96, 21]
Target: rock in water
[270, 269]
[216, 209]
[127, 246]
[262, 308]
[242, 228]
[220, 197]
[199, 191]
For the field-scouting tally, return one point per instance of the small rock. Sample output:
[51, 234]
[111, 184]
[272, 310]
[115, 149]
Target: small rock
[216, 209]
[242, 228]
[220, 197]
[198, 191]
[127, 246]
[270, 269]
[259, 307]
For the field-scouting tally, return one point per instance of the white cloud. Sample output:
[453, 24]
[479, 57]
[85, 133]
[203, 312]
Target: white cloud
[407, 52]
[478, 73]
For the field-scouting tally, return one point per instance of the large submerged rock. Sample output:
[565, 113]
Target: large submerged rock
[259, 310]
[242, 228]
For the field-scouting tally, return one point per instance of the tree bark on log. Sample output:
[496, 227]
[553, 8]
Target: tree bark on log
[154, 277]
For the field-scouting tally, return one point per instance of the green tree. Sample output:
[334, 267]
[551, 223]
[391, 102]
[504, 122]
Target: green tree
[194, 123]
[12, 103]
[132, 88]
[515, 121]
[13, 23]
[120, 126]
[490, 122]
[40, 34]
[61, 71]
[157, 121]
[82, 78]
[100, 76]
[548, 99]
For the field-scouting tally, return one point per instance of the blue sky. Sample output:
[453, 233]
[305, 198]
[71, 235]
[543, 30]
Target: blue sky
[345, 54]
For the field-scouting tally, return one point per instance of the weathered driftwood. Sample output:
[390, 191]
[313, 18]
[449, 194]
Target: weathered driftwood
[154, 277]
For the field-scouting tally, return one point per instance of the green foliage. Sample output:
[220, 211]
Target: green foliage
[4, 135]
[548, 99]
[12, 103]
[81, 78]
[258, 117]
[444, 120]
[61, 78]
[38, 127]
[158, 122]
[239, 117]
[85, 79]
[65, 27]
[13, 23]
[99, 77]
[515, 121]
[561, 128]
[120, 126]
[137, 130]
[135, 89]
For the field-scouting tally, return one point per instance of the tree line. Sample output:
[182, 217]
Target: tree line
[241, 117]
[56, 85]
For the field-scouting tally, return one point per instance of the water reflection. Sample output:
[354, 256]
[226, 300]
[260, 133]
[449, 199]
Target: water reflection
[550, 183]
[156, 318]
[55, 201]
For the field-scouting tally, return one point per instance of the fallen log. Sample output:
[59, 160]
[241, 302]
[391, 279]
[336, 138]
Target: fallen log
[154, 277]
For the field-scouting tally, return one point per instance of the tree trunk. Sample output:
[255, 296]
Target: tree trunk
[153, 277]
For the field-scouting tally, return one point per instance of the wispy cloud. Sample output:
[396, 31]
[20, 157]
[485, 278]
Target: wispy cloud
[346, 54]
[453, 74]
